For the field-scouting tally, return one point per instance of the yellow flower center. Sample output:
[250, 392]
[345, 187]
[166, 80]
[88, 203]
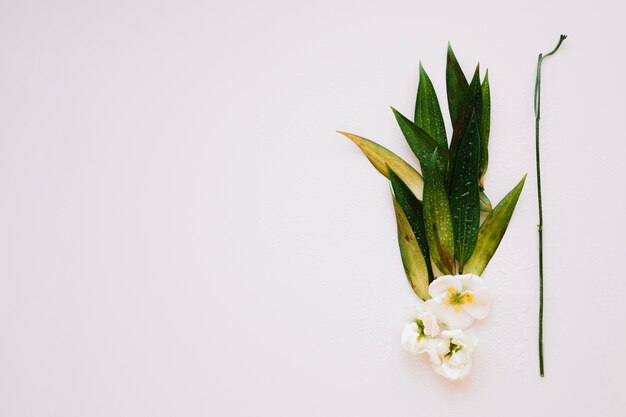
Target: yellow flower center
[456, 298]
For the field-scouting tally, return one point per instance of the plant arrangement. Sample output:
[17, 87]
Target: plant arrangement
[448, 230]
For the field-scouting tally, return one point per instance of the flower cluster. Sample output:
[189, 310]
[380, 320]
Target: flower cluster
[437, 326]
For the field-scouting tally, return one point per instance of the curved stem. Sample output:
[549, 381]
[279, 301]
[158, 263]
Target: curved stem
[537, 105]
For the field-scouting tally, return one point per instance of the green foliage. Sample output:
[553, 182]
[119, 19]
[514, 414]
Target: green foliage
[412, 209]
[492, 231]
[485, 128]
[472, 105]
[464, 199]
[427, 111]
[382, 159]
[422, 145]
[413, 261]
[438, 212]
[456, 85]
[438, 220]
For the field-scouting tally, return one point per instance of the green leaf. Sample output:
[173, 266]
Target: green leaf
[438, 219]
[427, 111]
[492, 230]
[464, 199]
[420, 142]
[485, 203]
[472, 103]
[456, 85]
[412, 260]
[412, 209]
[484, 130]
[382, 157]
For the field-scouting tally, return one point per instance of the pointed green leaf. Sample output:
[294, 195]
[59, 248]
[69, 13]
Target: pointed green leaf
[484, 130]
[485, 203]
[456, 84]
[412, 209]
[412, 259]
[420, 142]
[427, 111]
[492, 230]
[464, 199]
[472, 103]
[438, 220]
[382, 157]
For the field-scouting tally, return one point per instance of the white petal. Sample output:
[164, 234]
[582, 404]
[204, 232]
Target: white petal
[409, 337]
[455, 367]
[437, 349]
[413, 313]
[471, 282]
[480, 304]
[457, 318]
[437, 306]
[442, 284]
[431, 327]
[453, 316]
[452, 372]
[454, 334]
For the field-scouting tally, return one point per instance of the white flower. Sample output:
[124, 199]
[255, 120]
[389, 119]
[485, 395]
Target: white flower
[421, 326]
[451, 355]
[457, 300]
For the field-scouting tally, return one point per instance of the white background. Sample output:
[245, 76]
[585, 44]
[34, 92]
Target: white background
[182, 232]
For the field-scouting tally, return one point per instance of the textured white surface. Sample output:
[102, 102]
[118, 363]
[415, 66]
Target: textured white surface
[183, 233]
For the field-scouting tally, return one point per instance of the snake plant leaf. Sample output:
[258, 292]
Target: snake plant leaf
[456, 84]
[472, 103]
[427, 111]
[464, 198]
[492, 230]
[438, 219]
[420, 142]
[412, 209]
[382, 157]
[484, 131]
[412, 260]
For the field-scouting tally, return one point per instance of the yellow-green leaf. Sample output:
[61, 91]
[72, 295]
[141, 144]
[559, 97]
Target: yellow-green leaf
[382, 157]
[485, 203]
[412, 259]
[492, 230]
[412, 209]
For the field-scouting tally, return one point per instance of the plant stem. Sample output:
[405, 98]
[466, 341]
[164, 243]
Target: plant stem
[540, 226]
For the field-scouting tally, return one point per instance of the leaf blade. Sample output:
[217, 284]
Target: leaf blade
[381, 157]
[485, 129]
[412, 209]
[438, 220]
[472, 103]
[427, 111]
[492, 231]
[420, 142]
[456, 84]
[412, 260]
[464, 194]
[485, 203]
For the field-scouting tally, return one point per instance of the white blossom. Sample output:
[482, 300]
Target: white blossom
[451, 355]
[458, 300]
[419, 330]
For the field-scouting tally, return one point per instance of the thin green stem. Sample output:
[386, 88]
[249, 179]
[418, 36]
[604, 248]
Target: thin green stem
[539, 200]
